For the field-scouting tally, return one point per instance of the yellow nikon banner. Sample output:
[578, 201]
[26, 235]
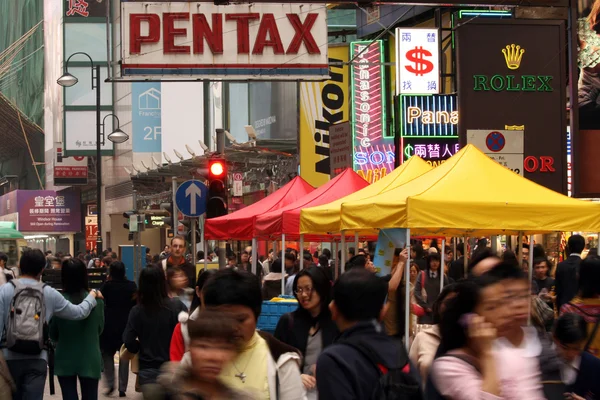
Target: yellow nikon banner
[322, 104]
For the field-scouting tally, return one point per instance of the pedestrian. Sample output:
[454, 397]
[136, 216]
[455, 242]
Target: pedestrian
[544, 283]
[28, 365]
[324, 264]
[166, 251]
[150, 325]
[580, 370]
[77, 355]
[265, 365]
[416, 255]
[469, 366]
[457, 267]
[272, 282]
[213, 344]
[119, 298]
[567, 272]
[587, 302]
[426, 342]
[351, 367]
[5, 273]
[177, 259]
[291, 269]
[177, 281]
[180, 341]
[310, 328]
[428, 287]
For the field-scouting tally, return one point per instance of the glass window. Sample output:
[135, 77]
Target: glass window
[9, 247]
[274, 109]
[89, 38]
[238, 111]
[81, 94]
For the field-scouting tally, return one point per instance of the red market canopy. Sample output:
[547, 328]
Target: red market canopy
[240, 224]
[287, 219]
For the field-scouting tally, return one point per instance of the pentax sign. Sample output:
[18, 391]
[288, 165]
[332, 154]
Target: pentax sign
[199, 40]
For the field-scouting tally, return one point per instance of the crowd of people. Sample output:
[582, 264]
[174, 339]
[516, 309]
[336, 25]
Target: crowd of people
[484, 332]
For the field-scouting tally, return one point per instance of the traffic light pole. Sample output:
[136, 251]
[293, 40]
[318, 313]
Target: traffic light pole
[193, 228]
[136, 246]
[220, 136]
[175, 209]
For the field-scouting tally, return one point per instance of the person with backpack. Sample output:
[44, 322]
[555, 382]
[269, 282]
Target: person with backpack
[587, 302]
[364, 363]
[78, 354]
[27, 303]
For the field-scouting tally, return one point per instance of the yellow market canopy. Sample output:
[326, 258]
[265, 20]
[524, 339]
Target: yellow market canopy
[325, 219]
[471, 194]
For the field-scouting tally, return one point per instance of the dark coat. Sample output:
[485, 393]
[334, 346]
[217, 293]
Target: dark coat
[587, 384]
[567, 280]
[293, 329]
[119, 299]
[457, 269]
[432, 287]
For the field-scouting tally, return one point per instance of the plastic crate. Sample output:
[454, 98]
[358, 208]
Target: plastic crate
[273, 310]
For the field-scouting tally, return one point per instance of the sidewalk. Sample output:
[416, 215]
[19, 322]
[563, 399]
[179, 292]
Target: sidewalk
[131, 394]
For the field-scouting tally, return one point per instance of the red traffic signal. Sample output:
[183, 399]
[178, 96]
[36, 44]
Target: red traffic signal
[217, 169]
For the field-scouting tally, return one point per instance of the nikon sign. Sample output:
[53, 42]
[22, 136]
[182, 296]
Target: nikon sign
[512, 74]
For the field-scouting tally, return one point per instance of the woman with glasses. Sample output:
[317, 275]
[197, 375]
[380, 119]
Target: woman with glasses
[309, 328]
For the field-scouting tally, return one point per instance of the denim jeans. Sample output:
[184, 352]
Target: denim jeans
[30, 378]
[68, 386]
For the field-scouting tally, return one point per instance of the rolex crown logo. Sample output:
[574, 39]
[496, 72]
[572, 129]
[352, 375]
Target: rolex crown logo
[513, 55]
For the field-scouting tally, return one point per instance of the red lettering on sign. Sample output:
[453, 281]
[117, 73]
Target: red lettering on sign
[268, 26]
[135, 31]
[243, 30]
[213, 37]
[303, 34]
[547, 164]
[170, 32]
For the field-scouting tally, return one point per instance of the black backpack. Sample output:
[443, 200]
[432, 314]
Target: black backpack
[394, 384]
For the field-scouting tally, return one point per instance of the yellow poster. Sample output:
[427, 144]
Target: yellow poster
[322, 104]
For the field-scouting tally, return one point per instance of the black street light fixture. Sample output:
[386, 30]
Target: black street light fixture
[117, 136]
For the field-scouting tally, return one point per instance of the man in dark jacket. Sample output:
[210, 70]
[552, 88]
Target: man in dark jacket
[567, 272]
[457, 267]
[343, 370]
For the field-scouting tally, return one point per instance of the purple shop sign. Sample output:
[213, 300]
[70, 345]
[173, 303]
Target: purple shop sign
[48, 211]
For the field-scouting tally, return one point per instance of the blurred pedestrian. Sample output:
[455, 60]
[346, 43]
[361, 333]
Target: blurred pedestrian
[567, 271]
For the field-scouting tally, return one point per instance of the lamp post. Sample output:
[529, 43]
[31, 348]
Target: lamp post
[117, 136]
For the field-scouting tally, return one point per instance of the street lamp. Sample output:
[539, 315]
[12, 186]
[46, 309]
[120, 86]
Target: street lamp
[117, 136]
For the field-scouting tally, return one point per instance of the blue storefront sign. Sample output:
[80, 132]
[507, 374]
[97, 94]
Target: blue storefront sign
[146, 117]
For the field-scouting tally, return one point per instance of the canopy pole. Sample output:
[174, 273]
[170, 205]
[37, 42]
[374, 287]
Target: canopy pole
[337, 261]
[530, 272]
[275, 256]
[283, 264]
[302, 252]
[356, 242]
[454, 249]
[205, 247]
[465, 255]
[407, 296]
[254, 255]
[443, 266]
[520, 249]
[343, 250]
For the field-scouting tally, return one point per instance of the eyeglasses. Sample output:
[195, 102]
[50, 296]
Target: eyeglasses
[307, 290]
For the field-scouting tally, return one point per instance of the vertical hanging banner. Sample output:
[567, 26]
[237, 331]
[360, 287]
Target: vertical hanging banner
[373, 151]
[387, 242]
[322, 104]
[146, 117]
[418, 61]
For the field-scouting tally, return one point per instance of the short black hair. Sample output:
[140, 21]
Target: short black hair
[290, 256]
[501, 272]
[359, 295]
[437, 304]
[200, 255]
[358, 261]
[3, 257]
[327, 253]
[32, 262]
[231, 257]
[479, 256]
[352, 251]
[74, 278]
[117, 271]
[276, 266]
[589, 277]
[570, 328]
[323, 260]
[576, 244]
[230, 287]
[460, 248]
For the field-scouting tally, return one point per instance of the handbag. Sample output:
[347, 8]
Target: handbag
[417, 310]
[134, 358]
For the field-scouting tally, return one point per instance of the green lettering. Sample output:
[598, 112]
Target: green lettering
[528, 83]
[480, 83]
[497, 83]
[511, 84]
[544, 83]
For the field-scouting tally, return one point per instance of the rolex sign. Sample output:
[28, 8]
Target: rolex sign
[512, 76]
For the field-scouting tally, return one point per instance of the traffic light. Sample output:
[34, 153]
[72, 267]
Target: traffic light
[217, 188]
[131, 224]
[168, 221]
[187, 230]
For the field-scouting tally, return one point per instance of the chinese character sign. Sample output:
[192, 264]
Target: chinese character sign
[417, 59]
[433, 150]
[48, 211]
[373, 150]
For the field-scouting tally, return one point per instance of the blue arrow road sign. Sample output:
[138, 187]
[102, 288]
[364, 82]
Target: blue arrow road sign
[191, 197]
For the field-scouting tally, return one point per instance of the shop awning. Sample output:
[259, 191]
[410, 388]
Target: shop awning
[240, 224]
[325, 219]
[472, 194]
[287, 219]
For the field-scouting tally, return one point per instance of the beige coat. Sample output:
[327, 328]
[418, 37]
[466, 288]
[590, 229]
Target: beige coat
[423, 349]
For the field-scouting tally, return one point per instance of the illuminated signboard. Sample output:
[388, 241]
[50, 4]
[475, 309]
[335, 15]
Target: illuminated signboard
[417, 61]
[374, 152]
[428, 127]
